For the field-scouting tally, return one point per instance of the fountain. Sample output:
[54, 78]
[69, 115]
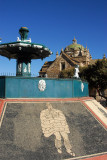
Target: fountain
[23, 85]
[24, 51]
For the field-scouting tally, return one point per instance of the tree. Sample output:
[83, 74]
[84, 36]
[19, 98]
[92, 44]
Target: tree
[96, 75]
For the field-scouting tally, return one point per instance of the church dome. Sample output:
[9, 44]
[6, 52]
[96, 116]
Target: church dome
[75, 46]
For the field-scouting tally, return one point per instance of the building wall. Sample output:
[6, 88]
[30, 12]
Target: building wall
[54, 70]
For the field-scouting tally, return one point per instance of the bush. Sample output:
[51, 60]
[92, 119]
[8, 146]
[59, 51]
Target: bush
[68, 73]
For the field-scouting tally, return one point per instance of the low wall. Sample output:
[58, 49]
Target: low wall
[23, 87]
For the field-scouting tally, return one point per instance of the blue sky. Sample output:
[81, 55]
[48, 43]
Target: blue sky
[54, 23]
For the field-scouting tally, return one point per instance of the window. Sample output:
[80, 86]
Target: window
[62, 66]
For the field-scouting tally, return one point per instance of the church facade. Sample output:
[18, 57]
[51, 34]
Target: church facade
[72, 55]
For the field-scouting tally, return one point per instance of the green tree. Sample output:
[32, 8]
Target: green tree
[68, 73]
[96, 75]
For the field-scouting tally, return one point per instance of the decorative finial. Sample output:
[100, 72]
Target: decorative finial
[74, 41]
[57, 55]
[23, 33]
[90, 56]
[104, 57]
[86, 46]
[62, 50]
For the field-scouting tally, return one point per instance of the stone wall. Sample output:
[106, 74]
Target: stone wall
[54, 70]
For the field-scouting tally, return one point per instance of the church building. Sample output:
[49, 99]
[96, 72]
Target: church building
[72, 55]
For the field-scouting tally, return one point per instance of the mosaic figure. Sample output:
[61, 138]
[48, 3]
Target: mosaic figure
[53, 122]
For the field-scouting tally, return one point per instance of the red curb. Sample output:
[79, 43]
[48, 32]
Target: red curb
[2, 101]
[102, 157]
[47, 99]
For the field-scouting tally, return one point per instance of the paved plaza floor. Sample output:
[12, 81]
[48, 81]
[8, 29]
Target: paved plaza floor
[48, 129]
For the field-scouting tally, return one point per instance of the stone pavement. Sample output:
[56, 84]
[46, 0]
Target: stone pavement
[22, 136]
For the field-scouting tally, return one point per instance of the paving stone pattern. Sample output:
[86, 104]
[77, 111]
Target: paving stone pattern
[22, 137]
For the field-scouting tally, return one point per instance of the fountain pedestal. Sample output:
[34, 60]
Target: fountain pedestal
[23, 69]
